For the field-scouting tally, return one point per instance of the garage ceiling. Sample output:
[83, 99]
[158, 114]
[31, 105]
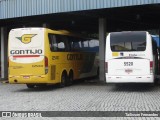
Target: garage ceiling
[143, 17]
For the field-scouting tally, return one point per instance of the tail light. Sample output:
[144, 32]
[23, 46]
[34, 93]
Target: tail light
[151, 67]
[106, 67]
[46, 64]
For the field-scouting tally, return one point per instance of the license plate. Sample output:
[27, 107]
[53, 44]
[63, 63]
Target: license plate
[26, 77]
[128, 71]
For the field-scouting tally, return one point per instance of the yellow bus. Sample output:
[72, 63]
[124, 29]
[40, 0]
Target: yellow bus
[41, 56]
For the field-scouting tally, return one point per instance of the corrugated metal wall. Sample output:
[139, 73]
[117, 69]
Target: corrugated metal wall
[18, 8]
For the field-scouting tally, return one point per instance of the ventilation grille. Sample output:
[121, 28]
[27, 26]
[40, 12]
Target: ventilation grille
[53, 72]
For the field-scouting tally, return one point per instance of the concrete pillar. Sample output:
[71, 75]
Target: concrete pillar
[102, 42]
[4, 53]
[159, 38]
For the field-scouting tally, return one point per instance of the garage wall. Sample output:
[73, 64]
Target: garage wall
[19, 8]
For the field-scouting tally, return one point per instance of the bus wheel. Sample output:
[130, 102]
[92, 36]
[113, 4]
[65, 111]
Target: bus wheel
[70, 78]
[30, 85]
[63, 79]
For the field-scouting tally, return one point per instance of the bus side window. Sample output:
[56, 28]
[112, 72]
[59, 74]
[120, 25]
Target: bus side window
[52, 42]
[62, 43]
[70, 43]
[75, 44]
[94, 45]
[85, 45]
[57, 43]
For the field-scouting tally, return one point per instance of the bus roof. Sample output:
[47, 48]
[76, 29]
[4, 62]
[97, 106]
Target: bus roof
[60, 32]
[129, 32]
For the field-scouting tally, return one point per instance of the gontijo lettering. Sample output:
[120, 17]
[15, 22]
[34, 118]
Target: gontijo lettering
[24, 52]
[74, 57]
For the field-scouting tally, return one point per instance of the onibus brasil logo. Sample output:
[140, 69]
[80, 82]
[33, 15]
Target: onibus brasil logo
[26, 38]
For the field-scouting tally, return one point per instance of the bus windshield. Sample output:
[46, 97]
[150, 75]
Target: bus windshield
[128, 41]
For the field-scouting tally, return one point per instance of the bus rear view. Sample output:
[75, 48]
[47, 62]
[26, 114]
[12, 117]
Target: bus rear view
[130, 57]
[26, 56]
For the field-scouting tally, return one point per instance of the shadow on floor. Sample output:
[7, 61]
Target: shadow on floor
[135, 87]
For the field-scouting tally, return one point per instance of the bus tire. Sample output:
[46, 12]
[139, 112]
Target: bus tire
[30, 85]
[70, 78]
[63, 80]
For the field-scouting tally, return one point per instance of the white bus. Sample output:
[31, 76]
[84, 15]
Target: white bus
[131, 57]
